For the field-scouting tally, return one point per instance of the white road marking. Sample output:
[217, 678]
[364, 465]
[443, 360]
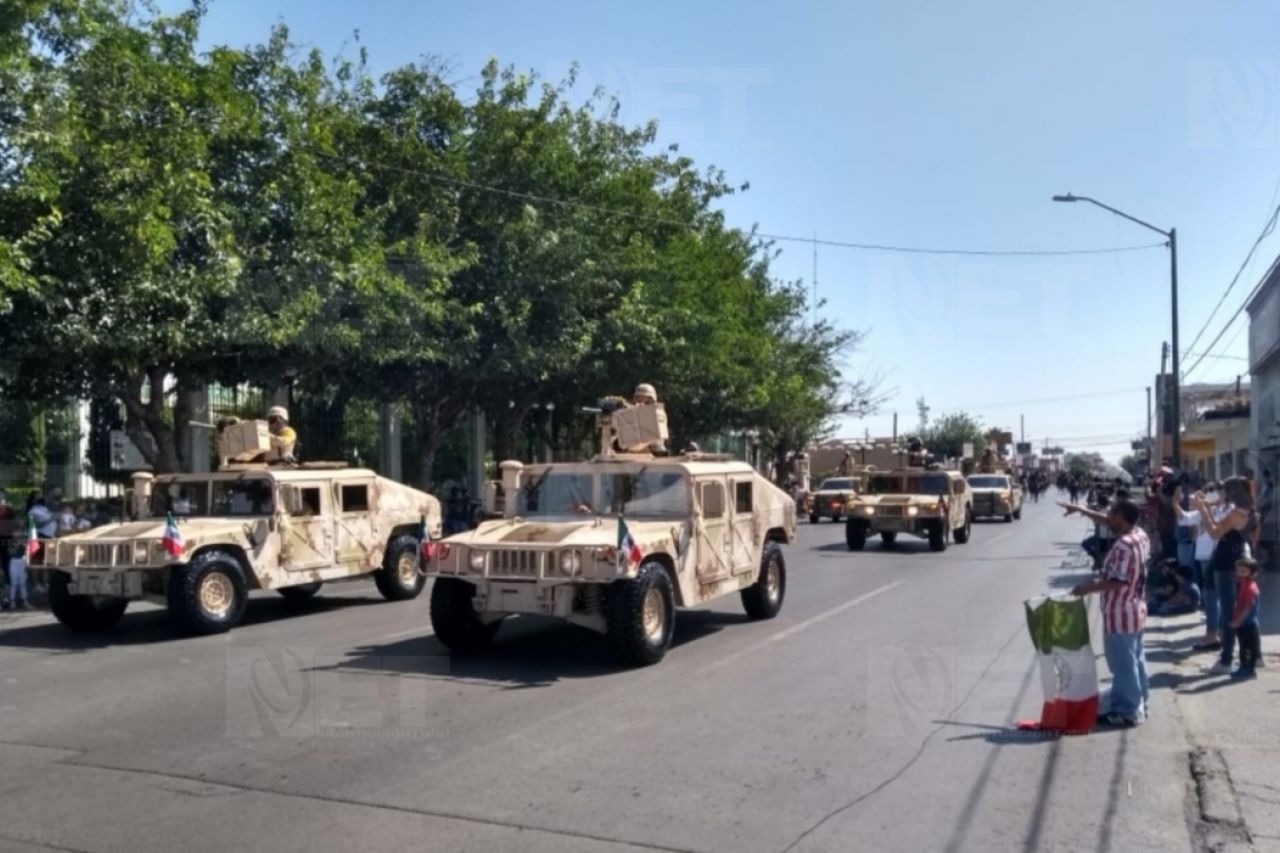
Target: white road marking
[805, 625]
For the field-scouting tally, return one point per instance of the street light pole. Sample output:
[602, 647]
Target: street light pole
[1172, 236]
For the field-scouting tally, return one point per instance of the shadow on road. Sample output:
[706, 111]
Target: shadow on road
[155, 626]
[530, 651]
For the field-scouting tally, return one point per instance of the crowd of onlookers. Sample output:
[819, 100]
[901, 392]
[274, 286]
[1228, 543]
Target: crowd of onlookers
[47, 517]
[1173, 545]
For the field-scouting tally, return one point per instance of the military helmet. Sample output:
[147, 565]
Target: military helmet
[644, 389]
[278, 412]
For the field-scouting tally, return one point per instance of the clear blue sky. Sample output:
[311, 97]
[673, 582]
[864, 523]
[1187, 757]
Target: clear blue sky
[932, 124]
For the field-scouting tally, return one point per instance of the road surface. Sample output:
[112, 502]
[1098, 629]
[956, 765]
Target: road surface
[873, 713]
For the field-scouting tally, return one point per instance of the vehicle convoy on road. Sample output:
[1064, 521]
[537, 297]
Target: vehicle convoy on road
[199, 543]
[929, 503]
[616, 544]
[996, 496]
[831, 498]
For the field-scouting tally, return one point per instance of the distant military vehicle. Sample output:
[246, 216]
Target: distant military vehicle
[617, 543]
[929, 503]
[245, 527]
[831, 499]
[997, 495]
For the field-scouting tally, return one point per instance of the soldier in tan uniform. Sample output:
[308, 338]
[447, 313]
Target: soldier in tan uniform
[645, 395]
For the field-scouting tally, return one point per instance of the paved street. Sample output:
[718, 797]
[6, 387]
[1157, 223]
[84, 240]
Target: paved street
[873, 713]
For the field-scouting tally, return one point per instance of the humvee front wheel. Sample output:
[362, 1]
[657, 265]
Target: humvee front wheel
[399, 578]
[813, 518]
[855, 535]
[301, 592]
[642, 615]
[83, 613]
[208, 595]
[454, 618]
[763, 599]
[962, 533]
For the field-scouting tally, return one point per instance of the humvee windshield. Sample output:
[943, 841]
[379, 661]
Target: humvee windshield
[989, 482]
[910, 484]
[185, 499]
[837, 486]
[641, 494]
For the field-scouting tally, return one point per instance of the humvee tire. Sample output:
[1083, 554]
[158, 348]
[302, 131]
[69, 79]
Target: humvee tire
[938, 537]
[454, 619]
[855, 535]
[888, 538]
[1018, 513]
[1008, 518]
[962, 534]
[642, 613]
[813, 518]
[208, 595]
[301, 592]
[83, 614]
[763, 599]
[399, 578]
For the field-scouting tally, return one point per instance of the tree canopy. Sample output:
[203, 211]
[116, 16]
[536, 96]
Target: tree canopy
[171, 217]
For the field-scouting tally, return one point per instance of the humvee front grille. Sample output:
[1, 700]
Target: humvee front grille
[96, 555]
[890, 511]
[519, 564]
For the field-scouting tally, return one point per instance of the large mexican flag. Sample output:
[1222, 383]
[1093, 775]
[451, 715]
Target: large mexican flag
[1060, 632]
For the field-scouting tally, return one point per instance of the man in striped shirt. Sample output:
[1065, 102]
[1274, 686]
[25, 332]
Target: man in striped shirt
[1122, 583]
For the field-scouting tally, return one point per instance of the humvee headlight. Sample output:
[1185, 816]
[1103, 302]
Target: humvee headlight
[141, 553]
[913, 510]
[933, 507]
[476, 560]
[868, 510]
[570, 563]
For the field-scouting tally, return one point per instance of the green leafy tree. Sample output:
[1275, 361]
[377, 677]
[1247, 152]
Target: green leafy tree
[947, 435]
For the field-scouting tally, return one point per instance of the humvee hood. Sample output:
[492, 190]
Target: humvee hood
[588, 533]
[154, 529]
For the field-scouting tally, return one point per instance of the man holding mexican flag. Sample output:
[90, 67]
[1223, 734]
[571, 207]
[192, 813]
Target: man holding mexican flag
[1122, 583]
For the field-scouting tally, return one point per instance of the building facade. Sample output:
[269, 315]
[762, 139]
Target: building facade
[1264, 370]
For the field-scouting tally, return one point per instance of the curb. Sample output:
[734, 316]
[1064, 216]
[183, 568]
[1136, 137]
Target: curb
[1220, 826]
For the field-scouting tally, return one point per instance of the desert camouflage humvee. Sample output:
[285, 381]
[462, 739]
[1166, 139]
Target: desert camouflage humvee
[831, 499]
[703, 526]
[242, 528]
[930, 503]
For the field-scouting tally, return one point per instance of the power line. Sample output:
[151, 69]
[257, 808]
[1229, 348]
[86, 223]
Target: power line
[1256, 290]
[781, 238]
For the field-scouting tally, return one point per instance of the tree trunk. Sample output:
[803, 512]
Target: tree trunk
[506, 431]
[155, 437]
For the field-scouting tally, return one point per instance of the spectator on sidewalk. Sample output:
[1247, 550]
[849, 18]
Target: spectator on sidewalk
[1124, 612]
[1244, 620]
[1179, 596]
[44, 521]
[1231, 538]
[1201, 573]
[16, 593]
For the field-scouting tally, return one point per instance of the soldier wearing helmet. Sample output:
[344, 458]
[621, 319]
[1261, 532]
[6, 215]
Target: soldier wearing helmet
[283, 438]
[645, 395]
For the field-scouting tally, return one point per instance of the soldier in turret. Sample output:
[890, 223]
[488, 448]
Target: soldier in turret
[645, 395]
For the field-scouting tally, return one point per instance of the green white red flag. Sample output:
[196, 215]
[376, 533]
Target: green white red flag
[172, 540]
[33, 541]
[628, 550]
[1068, 674]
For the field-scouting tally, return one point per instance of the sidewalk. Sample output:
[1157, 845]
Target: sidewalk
[1232, 728]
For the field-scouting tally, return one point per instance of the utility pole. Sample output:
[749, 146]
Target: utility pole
[1022, 429]
[815, 278]
[1161, 390]
[895, 427]
[1149, 448]
[1176, 390]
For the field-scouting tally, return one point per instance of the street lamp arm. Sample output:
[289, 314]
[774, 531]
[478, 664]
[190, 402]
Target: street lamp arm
[1107, 207]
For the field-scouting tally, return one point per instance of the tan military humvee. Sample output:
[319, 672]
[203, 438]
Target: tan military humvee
[996, 494]
[245, 527]
[702, 526]
[832, 497]
[930, 503]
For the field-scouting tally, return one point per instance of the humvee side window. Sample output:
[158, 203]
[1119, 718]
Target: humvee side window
[653, 494]
[181, 499]
[712, 500]
[308, 501]
[355, 498]
[242, 497]
[742, 497]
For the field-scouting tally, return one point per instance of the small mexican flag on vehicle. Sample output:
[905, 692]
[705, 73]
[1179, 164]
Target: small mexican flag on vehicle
[1060, 632]
[172, 541]
[33, 541]
[424, 539]
[628, 550]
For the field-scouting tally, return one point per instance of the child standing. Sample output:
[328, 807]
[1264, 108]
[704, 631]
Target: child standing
[1245, 618]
